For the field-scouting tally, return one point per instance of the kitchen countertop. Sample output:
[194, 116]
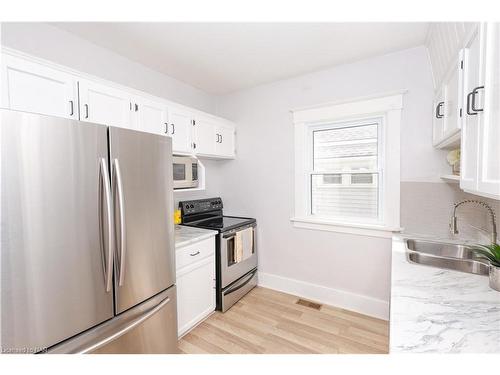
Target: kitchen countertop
[441, 311]
[187, 235]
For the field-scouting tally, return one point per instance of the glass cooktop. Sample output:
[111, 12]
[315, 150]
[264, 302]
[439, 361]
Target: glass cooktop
[222, 223]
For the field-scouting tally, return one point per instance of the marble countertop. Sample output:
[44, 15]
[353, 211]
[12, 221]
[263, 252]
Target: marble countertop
[187, 235]
[441, 311]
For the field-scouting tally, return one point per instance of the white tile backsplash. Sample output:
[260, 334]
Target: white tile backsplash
[426, 208]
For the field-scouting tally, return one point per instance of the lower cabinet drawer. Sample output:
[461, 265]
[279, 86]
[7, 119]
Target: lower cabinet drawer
[194, 252]
[195, 293]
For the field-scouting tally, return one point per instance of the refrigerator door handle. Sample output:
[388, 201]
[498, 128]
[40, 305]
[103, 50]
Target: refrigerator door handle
[92, 341]
[123, 238]
[104, 184]
[134, 323]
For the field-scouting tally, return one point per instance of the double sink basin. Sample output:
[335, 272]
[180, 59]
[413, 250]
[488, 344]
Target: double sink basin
[457, 257]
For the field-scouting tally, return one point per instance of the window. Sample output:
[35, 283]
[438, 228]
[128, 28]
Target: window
[347, 166]
[345, 169]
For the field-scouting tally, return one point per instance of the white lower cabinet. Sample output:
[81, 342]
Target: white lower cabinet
[195, 283]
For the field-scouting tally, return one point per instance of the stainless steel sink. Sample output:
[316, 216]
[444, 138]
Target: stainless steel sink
[445, 255]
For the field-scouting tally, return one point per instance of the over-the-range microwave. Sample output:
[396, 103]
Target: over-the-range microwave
[185, 172]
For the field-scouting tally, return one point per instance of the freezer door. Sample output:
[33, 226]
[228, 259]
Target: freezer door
[149, 328]
[141, 180]
[55, 244]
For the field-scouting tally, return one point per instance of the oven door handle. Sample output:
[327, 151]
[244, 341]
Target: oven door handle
[235, 288]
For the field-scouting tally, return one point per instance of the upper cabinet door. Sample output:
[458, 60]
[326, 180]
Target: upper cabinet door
[470, 126]
[453, 99]
[489, 115]
[205, 136]
[32, 87]
[438, 118]
[150, 116]
[180, 128]
[225, 141]
[105, 105]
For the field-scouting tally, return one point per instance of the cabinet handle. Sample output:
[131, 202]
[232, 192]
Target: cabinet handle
[71, 113]
[473, 102]
[86, 110]
[194, 145]
[173, 129]
[220, 138]
[136, 107]
[194, 254]
[166, 128]
[438, 110]
[217, 141]
[468, 104]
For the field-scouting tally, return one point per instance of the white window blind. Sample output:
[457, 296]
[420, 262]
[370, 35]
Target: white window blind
[345, 176]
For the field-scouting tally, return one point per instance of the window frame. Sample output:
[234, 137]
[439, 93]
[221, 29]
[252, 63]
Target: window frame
[311, 128]
[385, 110]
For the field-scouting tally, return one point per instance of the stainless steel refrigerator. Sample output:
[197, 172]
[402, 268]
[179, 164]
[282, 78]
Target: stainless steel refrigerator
[87, 243]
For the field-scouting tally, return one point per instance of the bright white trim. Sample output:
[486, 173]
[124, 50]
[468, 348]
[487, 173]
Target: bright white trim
[351, 100]
[388, 108]
[348, 109]
[362, 229]
[334, 297]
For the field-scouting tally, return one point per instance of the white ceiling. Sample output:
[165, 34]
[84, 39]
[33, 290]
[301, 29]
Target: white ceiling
[224, 57]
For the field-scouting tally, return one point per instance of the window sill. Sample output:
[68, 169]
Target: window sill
[370, 230]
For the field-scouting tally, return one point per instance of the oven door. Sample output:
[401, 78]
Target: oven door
[185, 172]
[233, 266]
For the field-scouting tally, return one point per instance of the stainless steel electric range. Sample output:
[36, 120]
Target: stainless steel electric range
[236, 248]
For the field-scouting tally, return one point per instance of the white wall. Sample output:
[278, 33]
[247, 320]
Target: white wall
[51, 43]
[260, 182]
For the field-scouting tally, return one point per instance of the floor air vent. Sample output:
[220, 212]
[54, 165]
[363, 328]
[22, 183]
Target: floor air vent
[312, 305]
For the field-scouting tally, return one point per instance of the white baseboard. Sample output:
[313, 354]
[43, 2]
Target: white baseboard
[339, 298]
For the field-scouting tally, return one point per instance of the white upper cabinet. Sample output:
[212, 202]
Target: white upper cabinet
[453, 99]
[489, 117]
[150, 116]
[224, 145]
[32, 87]
[214, 138]
[438, 118]
[180, 127]
[205, 136]
[480, 155]
[106, 105]
[448, 107]
[470, 131]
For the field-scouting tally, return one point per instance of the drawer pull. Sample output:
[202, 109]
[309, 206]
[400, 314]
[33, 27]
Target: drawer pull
[194, 254]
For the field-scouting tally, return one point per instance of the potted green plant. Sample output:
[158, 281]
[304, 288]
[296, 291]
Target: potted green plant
[492, 253]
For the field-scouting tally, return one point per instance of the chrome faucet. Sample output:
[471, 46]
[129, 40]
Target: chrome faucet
[453, 221]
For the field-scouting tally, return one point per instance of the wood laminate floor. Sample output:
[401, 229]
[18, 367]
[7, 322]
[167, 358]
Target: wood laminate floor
[267, 321]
